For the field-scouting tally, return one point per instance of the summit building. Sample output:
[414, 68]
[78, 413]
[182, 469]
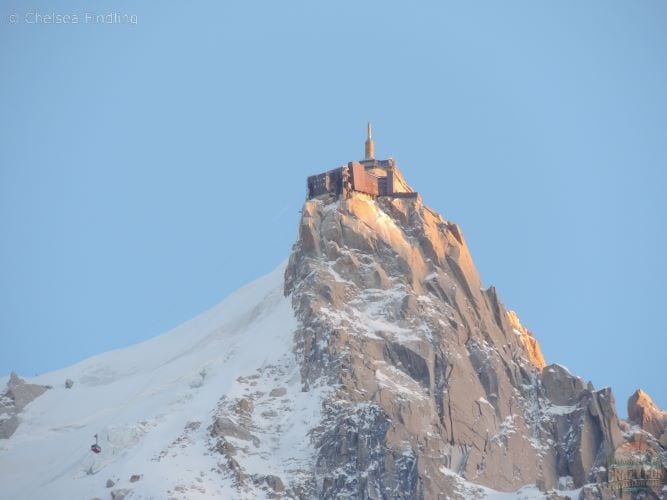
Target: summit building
[369, 176]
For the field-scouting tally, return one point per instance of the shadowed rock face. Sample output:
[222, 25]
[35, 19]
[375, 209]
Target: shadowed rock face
[16, 397]
[432, 373]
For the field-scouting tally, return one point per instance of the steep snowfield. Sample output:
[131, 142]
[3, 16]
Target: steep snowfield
[152, 403]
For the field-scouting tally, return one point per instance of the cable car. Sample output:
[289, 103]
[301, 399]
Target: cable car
[95, 448]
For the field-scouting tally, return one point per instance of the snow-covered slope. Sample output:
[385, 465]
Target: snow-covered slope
[152, 403]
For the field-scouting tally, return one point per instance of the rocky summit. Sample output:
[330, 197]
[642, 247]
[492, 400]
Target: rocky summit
[434, 379]
[374, 364]
[643, 412]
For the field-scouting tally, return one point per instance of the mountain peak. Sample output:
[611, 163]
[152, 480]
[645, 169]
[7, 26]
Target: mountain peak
[393, 314]
[374, 361]
[642, 411]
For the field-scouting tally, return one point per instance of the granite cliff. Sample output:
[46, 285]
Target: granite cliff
[643, 413]
[432, 373]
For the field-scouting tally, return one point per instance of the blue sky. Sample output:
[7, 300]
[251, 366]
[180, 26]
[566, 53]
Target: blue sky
[148, 170]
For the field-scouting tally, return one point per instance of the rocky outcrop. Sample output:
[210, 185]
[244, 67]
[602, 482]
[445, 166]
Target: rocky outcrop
[582, 422]
[642, 411]
[120, 494]
[528, 340]
[15, 398]
[434, 379]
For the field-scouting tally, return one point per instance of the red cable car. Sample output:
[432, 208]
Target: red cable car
[96, 448]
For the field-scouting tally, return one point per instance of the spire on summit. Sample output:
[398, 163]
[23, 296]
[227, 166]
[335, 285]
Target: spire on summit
[370, 145]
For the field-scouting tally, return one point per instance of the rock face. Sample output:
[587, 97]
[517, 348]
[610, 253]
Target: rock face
[642, 411]
[431, 373]
[527, 339]
[16, 397]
